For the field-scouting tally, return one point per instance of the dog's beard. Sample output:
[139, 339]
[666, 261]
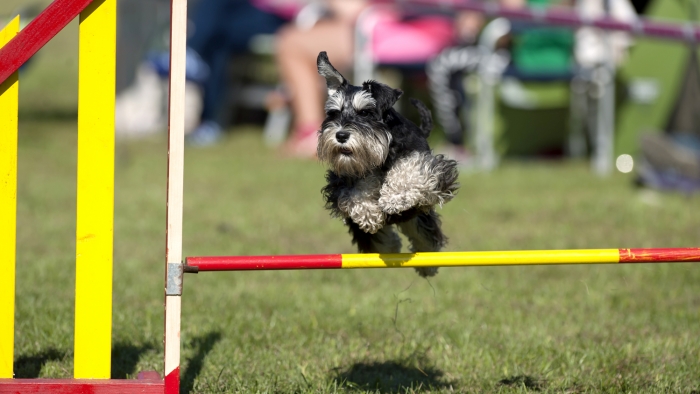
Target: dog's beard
[365, 149]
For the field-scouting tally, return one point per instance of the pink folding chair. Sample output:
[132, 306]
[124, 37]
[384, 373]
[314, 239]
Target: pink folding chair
[384, 36]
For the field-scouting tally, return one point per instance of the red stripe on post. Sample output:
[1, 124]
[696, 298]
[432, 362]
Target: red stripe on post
[245, 263]
[40, 31]
[172, 382]
[667, 255]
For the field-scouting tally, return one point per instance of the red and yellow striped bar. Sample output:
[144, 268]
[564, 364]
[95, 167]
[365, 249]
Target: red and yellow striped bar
[442, 259]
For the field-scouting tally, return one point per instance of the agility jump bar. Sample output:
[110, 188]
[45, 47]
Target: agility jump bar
[442, 259]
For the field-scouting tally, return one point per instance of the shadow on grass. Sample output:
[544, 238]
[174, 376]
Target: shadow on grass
[125, 356]
[29, 366]
[202, 346]
[390, 377]
[525, 381]
[48, 114]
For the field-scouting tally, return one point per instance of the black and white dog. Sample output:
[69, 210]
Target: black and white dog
[382, 172]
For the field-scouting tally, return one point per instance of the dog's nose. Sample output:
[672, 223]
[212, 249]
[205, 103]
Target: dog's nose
[342, 136]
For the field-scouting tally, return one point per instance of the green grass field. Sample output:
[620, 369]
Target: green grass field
[575, 329]
[617, 329]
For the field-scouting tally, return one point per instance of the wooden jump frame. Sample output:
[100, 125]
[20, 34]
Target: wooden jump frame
[96, 198]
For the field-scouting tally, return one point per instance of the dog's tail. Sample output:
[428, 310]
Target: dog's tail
[426, 118]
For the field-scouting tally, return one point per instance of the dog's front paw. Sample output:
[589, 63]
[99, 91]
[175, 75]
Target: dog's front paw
[371, 228]
[365, 213]
[397, 203]
[369, 217]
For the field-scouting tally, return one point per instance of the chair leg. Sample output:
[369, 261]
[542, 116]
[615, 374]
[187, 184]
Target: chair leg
[602, 163]
[364, 66]
[277, 126]
[576, 145]
[484, 138]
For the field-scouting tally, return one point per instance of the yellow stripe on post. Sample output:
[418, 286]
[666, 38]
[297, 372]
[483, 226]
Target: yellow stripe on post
[9, 95]
[455, 259]
[95, 232]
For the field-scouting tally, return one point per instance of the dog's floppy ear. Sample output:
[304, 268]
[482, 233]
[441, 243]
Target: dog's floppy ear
[384, 95]
[334, 80]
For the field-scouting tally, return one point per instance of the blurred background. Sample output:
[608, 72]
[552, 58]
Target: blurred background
[565, 138]
[497, 88]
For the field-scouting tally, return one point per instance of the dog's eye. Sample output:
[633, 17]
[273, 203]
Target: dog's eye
[332, 112]
[364, 112]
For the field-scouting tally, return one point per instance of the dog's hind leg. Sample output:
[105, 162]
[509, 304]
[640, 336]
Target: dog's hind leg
[385, 240]
[425, 235]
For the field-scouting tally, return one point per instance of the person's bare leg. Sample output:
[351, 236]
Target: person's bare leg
[296, 55]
